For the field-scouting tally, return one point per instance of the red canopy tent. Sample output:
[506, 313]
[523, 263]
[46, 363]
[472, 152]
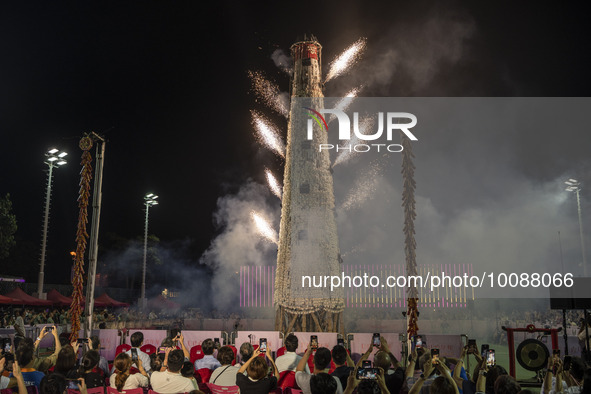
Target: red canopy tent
[162, 302]
[25, 299]
[8, 301]
[60, 299]
[108, 301]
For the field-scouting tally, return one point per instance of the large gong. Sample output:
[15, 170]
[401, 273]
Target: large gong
[532, 354]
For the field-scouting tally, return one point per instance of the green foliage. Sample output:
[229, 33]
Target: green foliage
[7, 226]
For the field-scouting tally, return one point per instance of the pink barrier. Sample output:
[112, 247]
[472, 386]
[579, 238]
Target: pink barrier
[151, 337]
[273, 339]
[109, 341]
[325, 339]
[193, 338]
[361, 342]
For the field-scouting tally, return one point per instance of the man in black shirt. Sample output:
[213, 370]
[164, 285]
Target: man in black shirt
[344, 364]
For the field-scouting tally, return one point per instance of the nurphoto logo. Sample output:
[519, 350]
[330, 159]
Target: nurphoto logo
[402, 121]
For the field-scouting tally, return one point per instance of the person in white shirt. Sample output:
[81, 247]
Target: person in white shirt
[170, 381]
[322, 360]
[137, 340]
[290, 359]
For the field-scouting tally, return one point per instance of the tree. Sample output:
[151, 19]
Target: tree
[7, 226]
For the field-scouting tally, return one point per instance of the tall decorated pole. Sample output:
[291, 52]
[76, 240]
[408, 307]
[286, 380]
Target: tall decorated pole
[81, 235]
[410, 244]
[308, 242]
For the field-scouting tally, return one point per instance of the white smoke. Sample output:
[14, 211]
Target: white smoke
[283, 61]
[239, 243]
[412, 54]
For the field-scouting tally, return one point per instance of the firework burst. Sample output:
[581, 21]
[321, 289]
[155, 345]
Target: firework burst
[264, 228]
[269, 93]
[273, 183]
[345, 60]
[345, 102]
[362, 192]
[267, 134]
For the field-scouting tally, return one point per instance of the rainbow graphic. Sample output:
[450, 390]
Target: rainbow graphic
[317, 116]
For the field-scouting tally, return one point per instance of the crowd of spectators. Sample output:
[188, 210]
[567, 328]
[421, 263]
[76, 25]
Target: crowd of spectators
[316, 370]
[79, 365]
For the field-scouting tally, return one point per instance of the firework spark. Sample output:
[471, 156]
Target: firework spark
[345, 102]
[267, 134]
[264, 228]
[345, 60]
[269, 93]
[362, 192]
[273, 183]
[347, 153]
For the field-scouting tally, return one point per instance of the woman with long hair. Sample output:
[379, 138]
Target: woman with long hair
[122, 379]
[85, 370]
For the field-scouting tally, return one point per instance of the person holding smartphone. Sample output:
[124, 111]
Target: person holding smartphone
[290, 359]
[24, 357]
[44, 363]
[4, 380]
[393, 372]
[137, 340]
[343, 362]
[443, 383]
[257, 381]
[322, 359]
[123, 379]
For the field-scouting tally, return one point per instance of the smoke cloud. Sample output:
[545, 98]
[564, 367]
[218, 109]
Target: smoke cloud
[406, 59]
[282, 60]
[239, 243]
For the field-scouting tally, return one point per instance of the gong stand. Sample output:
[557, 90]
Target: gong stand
[530, 328]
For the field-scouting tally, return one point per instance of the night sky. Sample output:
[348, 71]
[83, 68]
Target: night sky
[166, 83]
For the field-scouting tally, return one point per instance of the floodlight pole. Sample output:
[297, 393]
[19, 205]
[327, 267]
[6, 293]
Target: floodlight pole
[149, 200]
[54, 158]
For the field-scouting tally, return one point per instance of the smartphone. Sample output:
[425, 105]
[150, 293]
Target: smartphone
[133, 354]
[472, 346]
[484, 350]
[340, 342]
[566, 365]
[6, 345]
[366, 364]
[162, 349]
[82, 340]
[314, 342]
[48, 328]
[216, 341]
[263, 345]
[490, 358]
[375, 340]
[367, 373]
[418, 342]
[434, 356]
